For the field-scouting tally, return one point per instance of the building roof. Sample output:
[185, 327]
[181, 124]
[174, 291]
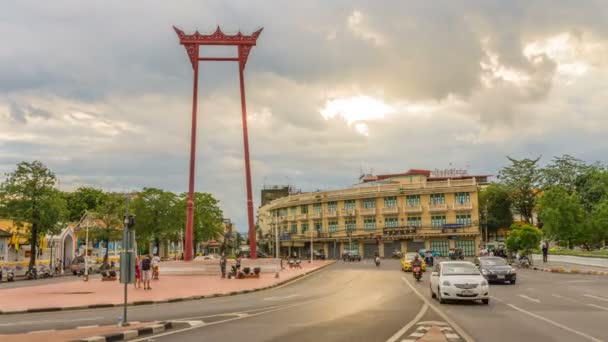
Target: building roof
[4, 233]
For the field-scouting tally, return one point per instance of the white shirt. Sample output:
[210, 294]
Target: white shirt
[155, 260]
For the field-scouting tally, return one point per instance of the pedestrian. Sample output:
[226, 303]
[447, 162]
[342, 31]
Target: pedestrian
[137, 283]
[155, 266]
[146, 271]
[238, 262]
[545, 251]
[223, 265]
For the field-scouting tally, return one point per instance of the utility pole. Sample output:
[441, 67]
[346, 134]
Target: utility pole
[485, 216]
[276, 233]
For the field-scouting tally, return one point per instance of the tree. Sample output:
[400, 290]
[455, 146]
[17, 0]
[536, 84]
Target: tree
[522, 178]
[29, 197]
[563, 171]
[496, 202]
[156, 216]
[82, 200]
[592, 186]
[562, 215]
[208, 217]
[599, 223]
[523, 237]
[110, 210]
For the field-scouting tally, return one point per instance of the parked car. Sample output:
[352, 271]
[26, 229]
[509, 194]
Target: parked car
[78, 266]
[496, 269]
[397, 254]
[406, 262]
[423, 253]
[351, 256]
[317, 255]
[459, 280]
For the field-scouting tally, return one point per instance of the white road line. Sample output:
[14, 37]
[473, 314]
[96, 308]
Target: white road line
[497, 299]
[598, 307]
[416, 334]
[529, 298]
[41, 331]
[579, 333]
[88, 326]
[432, 323]
[557, 296]
[445, 317]
[596, 297]
[281, 297]
[409, 325]
[452, 336]
[49, 321]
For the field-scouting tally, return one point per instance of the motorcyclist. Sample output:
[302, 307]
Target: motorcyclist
[377, 259]
[416, 262]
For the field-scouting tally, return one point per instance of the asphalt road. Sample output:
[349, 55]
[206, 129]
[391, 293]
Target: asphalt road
[358, 302]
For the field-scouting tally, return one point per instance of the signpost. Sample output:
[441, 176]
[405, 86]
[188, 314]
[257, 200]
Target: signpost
[127, 258]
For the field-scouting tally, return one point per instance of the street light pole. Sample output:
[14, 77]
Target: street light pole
[276, 234]
[86, 255]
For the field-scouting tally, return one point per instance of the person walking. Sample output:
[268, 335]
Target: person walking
[223, 265]
[545, 251]
[137, 283]
[155, 267]
[146, 269]
[238, 262]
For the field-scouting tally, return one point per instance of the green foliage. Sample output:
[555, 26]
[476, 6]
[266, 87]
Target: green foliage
[109, 209]
[522, 179]
[563, 171]
[523, 237]
[156, 217]
[28, 196]
[592, 186]
[82, 200]
[562, 215]
[208, 217]
[496, 202]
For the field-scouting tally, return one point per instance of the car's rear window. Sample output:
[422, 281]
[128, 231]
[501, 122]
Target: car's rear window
[493, 262]
[459, 269]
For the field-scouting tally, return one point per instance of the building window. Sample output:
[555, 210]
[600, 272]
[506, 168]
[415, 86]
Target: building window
[303, 209]
[294, 228]
[316, 208]
[304, 228]
[438, 221]
[437, 198]
[412, 200]
[462, 197]
[318, 226]
[349, 204]
[369, 203]
[463, 219]
[283, 212]
[350, 224]
[369, 224]
[391, 222]
[333, 226]
[414, 221]
[332, 206]
[292, 210]
[390, 202]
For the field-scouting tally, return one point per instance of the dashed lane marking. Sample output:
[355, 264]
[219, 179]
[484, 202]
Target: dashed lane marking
[88, 326]
[529, 298]
[452, 336]
[281, 297]
[598, 307]
[41, 331]
[596, 297]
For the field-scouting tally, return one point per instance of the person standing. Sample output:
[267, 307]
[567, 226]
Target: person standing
[137, 283]
[155, 266]
[223, 265]
[146, 269]
[545, 251]
[238, 262]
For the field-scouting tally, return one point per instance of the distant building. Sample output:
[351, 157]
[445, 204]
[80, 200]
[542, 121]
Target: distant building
[272, 192]
[407, 211]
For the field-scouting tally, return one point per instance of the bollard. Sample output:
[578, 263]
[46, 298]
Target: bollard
[119, 321]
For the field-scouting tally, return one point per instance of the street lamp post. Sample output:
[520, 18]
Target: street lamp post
[86, 255]
[276, 234]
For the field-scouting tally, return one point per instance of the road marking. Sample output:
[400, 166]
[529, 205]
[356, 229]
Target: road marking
[445, 317]
[529, 298]
[452, 336]
[432, 323]
[598, 307]
[172, 332]
[410, 324]
[557, 296]
[497, 299]
[88, 326]
[281, 297]
[41, 331]
[49, 321]
[596, 297]
[579, 333]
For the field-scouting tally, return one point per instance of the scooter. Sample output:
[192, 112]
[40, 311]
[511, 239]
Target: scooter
[32, 273]
[377, 261]
[10, 275]
[417, 272]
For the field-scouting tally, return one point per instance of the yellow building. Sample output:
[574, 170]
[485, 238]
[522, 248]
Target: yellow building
[383, 213]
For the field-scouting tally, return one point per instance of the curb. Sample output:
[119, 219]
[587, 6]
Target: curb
[129, 334]
[570, 271]
[162, 301]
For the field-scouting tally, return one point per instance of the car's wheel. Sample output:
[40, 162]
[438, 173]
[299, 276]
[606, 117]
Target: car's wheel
[486, 301]
[75, 273]
[433, 295]
[512, 282]
[90, 270]
[441, 300]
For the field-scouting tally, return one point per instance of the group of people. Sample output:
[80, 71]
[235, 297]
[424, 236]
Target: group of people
[224, 263]
[146, 269]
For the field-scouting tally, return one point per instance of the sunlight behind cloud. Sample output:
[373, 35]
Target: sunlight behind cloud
[565, 50]
[356, 110]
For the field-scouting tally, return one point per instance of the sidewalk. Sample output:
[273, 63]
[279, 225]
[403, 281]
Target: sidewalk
[565, 267]
[78, 294]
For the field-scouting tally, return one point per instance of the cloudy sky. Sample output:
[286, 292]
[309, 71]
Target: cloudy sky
[101, 92]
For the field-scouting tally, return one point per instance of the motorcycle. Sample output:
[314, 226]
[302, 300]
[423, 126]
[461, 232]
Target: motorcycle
[417, 272]
[377, 261]
[524, 262]
[32, 273]
[45, 273]
[10, 275]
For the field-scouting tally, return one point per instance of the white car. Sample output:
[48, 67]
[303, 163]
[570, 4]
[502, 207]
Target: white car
[459, 280]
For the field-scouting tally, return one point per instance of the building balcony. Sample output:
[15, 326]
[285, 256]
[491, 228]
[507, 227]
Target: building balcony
[390, 210]
[282, 218]
[412, 208]
[302, 217]
[291, 217]
[348, 212]
[367, 211]
[463, 206]
[330, 214]
[315, 215]
[438, 207]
